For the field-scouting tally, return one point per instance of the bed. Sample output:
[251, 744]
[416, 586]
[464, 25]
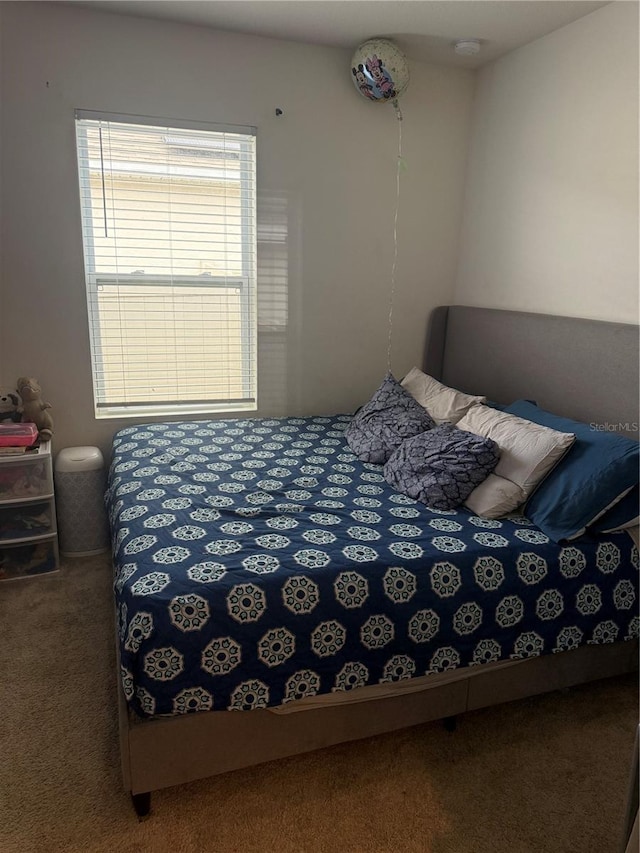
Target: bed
[274, 595]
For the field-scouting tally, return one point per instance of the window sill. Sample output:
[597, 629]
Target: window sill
[176, 410]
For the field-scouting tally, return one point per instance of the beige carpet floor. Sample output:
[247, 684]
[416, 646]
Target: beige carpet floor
[544, 774]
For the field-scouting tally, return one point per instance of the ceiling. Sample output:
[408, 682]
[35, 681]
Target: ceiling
[423, 29]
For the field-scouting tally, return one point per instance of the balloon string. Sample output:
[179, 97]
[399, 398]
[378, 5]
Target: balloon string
[399, 164]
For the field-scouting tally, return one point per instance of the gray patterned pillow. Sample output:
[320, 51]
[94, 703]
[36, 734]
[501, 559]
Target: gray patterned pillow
[390, 416]
[441, 467]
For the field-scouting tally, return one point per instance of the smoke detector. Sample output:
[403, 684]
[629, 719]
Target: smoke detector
[467, 47]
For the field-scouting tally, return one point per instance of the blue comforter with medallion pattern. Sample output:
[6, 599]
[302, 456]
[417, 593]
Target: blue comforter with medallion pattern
[258, 562]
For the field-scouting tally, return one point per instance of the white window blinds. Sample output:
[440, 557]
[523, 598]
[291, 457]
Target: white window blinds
[169, 231]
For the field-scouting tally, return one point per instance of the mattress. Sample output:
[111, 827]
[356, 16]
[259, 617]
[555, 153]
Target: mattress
[258, 562]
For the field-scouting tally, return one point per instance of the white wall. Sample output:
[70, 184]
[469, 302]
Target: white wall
[331, 157]
[551, 207]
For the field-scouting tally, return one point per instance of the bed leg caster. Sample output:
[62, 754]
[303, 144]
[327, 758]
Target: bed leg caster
[142, 804]
[450, 723]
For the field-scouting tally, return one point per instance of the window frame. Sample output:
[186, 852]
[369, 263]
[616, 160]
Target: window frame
[246, 282]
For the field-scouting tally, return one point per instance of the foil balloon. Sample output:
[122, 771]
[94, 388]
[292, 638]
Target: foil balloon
[379, 71]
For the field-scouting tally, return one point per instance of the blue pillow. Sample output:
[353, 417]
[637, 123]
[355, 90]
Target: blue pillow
[596, 472]
[502, 407]
[441, 467]
[389, 417]
[623, 514]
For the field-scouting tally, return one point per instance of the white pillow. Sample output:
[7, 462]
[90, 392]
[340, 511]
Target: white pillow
[528, 451]
[444, 404]
[495, 497]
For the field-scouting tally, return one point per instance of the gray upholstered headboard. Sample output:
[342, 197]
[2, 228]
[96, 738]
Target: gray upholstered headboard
[584, 369]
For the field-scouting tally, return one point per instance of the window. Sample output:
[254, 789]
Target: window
[169, 232]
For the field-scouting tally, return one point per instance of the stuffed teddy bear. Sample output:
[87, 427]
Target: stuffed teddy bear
[33, 409]
[10, 404]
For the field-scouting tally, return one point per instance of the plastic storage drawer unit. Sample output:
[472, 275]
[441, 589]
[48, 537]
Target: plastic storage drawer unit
[28, 537]
[80, 484]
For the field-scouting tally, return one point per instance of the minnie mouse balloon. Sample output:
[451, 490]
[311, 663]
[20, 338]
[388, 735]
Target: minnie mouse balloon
[379, 70]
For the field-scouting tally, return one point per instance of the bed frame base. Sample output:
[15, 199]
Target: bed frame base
[163, 752]
[142, 802]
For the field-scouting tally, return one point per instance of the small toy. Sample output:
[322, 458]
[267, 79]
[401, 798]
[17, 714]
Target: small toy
[33, 409]
[10, 403]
